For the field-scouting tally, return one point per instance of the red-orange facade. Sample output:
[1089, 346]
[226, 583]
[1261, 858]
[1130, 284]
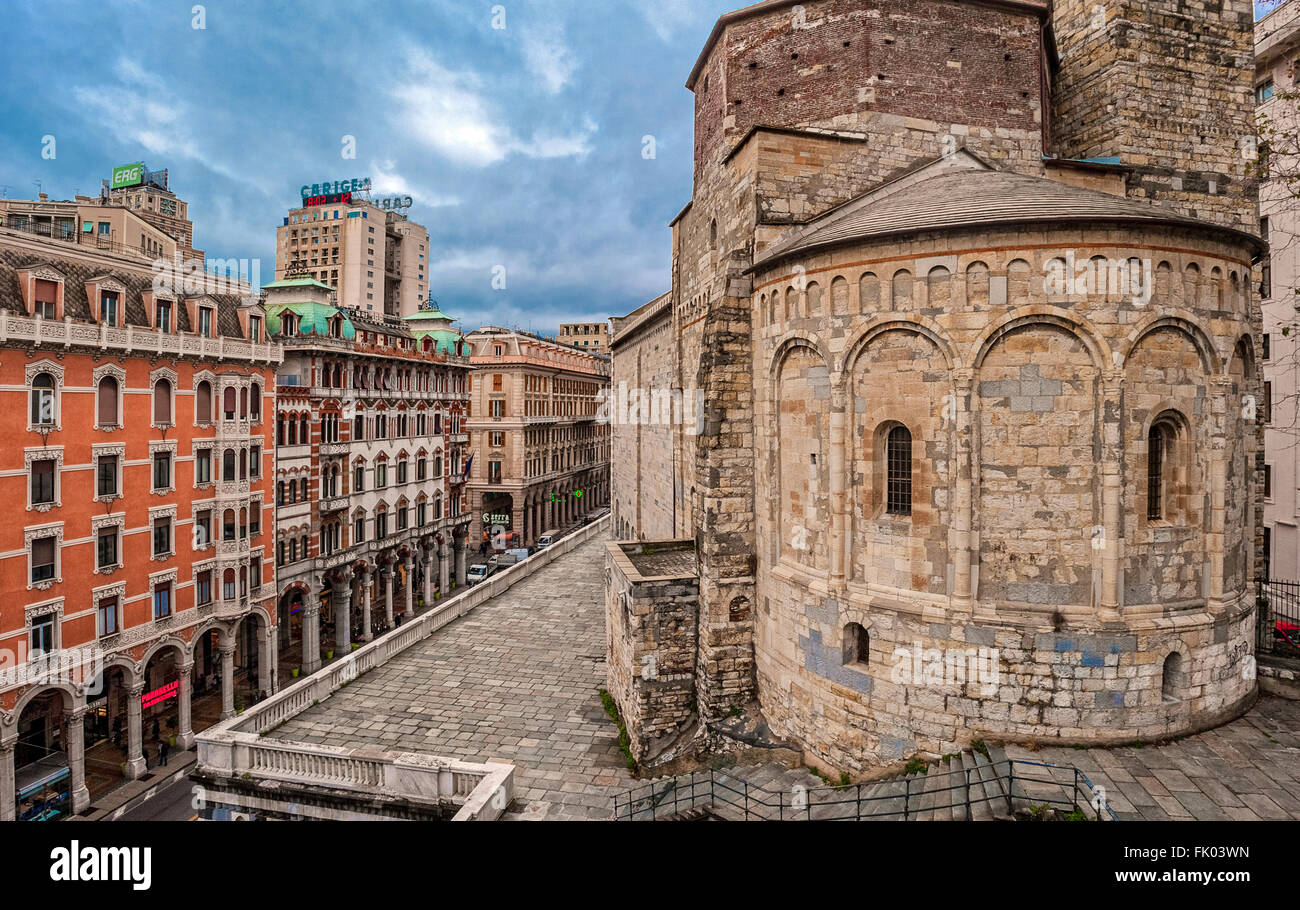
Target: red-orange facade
[136, 445]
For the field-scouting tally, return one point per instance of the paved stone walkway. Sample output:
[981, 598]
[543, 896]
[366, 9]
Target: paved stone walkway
[515, 681]
[1247, 770]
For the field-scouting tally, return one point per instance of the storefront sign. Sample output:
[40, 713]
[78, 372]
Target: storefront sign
[496, 519]
[161, 694]
[392, 203]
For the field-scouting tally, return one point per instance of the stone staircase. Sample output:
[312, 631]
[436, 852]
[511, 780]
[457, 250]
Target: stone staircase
[967, 786]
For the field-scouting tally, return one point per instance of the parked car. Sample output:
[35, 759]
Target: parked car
[477, 572]
[547, 538]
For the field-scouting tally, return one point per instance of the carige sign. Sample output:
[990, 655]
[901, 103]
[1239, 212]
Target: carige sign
[337, 191]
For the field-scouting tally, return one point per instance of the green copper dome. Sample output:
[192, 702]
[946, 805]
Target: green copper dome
[434, 323]
[313, 318]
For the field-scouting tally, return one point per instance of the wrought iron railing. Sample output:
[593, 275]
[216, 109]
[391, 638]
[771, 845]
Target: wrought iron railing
[1277, 625]
[1007, 784]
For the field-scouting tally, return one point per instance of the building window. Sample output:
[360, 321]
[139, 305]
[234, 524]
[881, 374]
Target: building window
[108, 308]
[162, 403]
[162, 536]
[1265, 345]
[381, 476]
[359, 529]
[1264, 91]
[43, 475]
[898, 459]
[106, 476]
[163, 315]
[1268, 481]
[42, 400]
[228, 465]
[255, 462]
[205, 321]
[1268, 553]
[359, 479]
[228, 525]
[857, 645]
[106, 549]
[1268, 402]
[401, 472]
[162, 600]
[106, 399]
[106, 620]
[42, 633]
[381, 525]
[44, 553]
[498, 408]
[203, 466]
[162, 470]
[203, 588]
[255, 329]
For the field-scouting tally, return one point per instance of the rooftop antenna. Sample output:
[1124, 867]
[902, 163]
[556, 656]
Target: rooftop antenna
[38, 189]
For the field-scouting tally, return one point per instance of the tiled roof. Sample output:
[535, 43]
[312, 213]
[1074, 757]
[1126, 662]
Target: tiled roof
[969, 198]
[75, 304]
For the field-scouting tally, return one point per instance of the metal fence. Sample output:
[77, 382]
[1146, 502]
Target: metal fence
[1277, 626]
[1007, 785]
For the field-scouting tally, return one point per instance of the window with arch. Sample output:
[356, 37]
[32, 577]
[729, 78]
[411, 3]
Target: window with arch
[42, 400]
[106, 401]
[203, 403]
[228, 402]
[1166, 480]
[162, 403]
[857, 646]
[1173, 677]
[898, 471]
[228, 465]
[255, 402]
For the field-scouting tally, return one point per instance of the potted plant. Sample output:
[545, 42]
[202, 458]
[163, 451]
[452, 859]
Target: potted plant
[355, 645]
[294, 672]
[329, 655]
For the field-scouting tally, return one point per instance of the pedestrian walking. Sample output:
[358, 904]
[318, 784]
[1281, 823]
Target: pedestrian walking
[162, 753]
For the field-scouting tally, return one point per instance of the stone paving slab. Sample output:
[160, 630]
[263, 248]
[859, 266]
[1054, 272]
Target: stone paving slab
[1246, 770]
[515, 681]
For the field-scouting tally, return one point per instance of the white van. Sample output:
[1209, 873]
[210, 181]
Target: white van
[547, 538]
[477, 573]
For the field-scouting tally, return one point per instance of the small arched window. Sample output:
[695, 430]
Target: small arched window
[1157, 449]
[162, 402]
[228, 525]
[107, 400]
[43, 399]
[203, 403]
[228, 402]
[228, 465]
[243, 404]
[1173, 679]
[255, 405]
[228, 585]
[898, 463]
[857, 645]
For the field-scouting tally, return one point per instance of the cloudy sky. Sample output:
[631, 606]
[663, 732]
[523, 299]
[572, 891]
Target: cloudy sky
[521, 145]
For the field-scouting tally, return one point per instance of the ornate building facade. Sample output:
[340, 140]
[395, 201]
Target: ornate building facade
[136, 419]
[541, 453]
[370, 492]
[978, 350]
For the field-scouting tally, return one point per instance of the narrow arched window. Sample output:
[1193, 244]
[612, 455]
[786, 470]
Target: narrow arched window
[857, 645]
[203, 403]
[162, 402]
[898, 459]
[1157, 441]
[228, 465]
[43, 399]
[108, 402]
[228, 402]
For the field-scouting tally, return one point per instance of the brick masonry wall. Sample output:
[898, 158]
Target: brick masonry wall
[1167, 86]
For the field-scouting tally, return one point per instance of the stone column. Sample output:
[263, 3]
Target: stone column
[134, 721]
[428, 578]
[76, 745]
[8, 792]
[444, 568]
[839, 549]
[227, 680]
[963, 505]
[184, 733]
[409, 564]
[1108, 538]
[389, 574]
[343, 617]
[367, 581]
[266, 662]
[461, 548]
[1214, 549]
[311, 634]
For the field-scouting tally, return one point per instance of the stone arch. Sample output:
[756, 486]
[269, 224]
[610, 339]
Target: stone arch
[71, 699]
[977, 285]
[789, 342]
[800, 385]
[900, 290]
[181, 647]
[1019, 273]
[1210, 360]
[868, 293]
[938, 288]
[1076, 325]
[908, 322]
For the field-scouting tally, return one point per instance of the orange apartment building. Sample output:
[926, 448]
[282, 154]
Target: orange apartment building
[139, 588]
